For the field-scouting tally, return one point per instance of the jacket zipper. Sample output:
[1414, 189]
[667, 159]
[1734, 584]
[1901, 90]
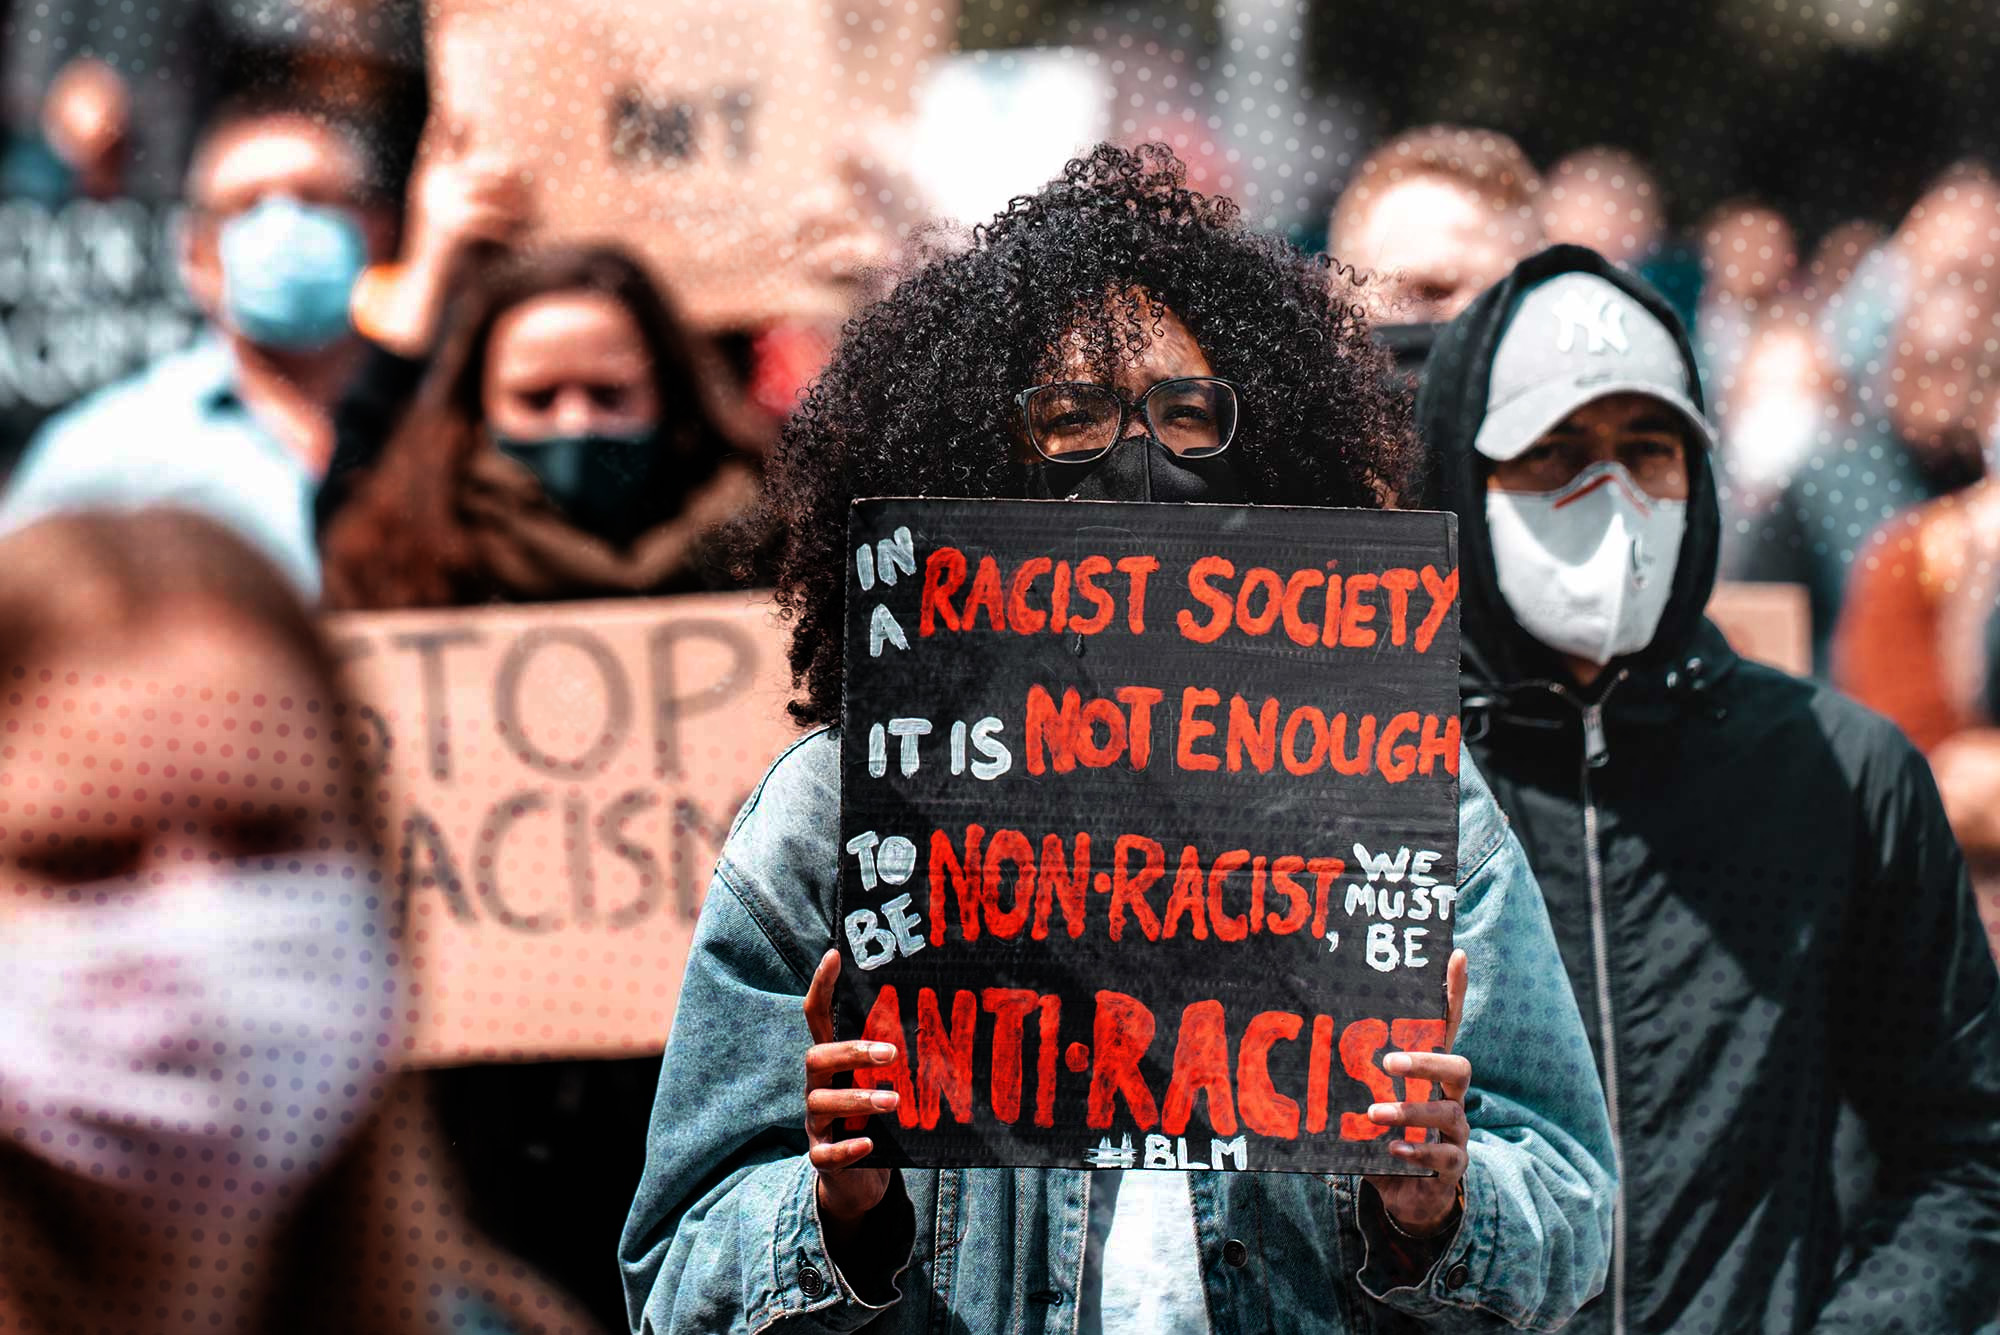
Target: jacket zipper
[1595, 753]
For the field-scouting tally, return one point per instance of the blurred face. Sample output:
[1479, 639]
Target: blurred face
[1611, 209]
[87, 117]
[151, 760]
[1634, 430]
[1942, 375]
[284, 156]
[568, 364]
[194, 988]
[1432, 246]
[1748, 252]
[1953, 229]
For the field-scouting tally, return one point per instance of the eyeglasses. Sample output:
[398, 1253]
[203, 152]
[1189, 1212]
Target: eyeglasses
[1075, 422]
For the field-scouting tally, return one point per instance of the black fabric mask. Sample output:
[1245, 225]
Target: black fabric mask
[1138, 468]
[600, 482]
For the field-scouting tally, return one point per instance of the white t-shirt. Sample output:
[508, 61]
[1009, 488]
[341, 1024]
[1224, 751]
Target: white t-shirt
[1141, 1267]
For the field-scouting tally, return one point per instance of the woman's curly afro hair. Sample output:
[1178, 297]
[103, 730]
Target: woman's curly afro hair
[919, 398]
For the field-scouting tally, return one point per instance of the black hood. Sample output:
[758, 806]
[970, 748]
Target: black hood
[1451, 404]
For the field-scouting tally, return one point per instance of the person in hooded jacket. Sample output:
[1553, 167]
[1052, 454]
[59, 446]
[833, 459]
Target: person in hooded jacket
[1757, 896]
[1115, 336]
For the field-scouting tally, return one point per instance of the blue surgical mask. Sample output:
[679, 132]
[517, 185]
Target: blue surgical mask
[288, 270]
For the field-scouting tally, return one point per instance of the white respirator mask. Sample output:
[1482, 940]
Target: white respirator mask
[1587, 569]
[232, 1028]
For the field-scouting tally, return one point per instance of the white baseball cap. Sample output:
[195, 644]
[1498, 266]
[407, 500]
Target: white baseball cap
[1574, 339]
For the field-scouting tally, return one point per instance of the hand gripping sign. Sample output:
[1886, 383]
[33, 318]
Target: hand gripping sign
[1149, 827]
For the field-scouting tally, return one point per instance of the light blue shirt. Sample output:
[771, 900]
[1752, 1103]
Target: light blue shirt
[175, 434]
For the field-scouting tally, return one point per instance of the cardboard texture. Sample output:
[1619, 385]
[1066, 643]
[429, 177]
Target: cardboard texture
[1150, 853]
[561, 779]
[723, 143]
[1771, 623]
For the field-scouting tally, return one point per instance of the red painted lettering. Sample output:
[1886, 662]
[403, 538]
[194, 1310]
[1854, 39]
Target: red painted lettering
[1216, 601]
[1193, 729]
[1119, 1037]
[944, 571]
[1201, 1066]
[1265, 1110]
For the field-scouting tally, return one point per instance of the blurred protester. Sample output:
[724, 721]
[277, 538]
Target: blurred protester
[177, 60]
[1604, 198]
[1914, 642]
[1783, 401]
[1744, 975]
[85, 141]
[88, 290]
[1430, 218]
[1953, 230]
[1837, 258]
[1747, 257]
[1608, 199]
[564, 445]
[1087, 294]
[464, 214]
[202, 1126]
[286, 209]
[1923, 442]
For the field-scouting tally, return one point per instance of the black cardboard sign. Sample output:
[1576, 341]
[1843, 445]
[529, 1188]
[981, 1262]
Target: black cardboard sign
[1149, 827]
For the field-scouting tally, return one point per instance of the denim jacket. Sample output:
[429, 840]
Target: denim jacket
[724, 1234]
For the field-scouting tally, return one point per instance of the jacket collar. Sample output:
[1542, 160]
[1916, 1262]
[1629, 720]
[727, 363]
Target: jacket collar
[1654, 693]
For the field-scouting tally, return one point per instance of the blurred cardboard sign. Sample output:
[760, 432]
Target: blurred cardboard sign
[89, 292]
[1771, 623]
[561, 779]
[724, 143]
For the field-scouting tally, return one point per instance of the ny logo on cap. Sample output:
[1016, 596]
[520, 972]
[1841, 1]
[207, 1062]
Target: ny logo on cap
[1601, 318]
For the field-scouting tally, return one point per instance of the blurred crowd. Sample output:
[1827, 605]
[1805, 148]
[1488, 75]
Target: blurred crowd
[1851, 384]
[363, 367]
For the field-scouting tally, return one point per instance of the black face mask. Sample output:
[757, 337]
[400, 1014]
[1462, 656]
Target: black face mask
[600, 482]
[1138, 468]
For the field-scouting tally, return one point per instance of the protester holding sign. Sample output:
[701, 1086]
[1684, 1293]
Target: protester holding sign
[202, 1120]
[562, 447]
[565, 445]
[1756, 891]
[1143, 308]
[287, 204]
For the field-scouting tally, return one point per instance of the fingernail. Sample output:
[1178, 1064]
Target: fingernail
[885, 1099]
[881, 1052]
[1382, 1111]
[1402, 1148]
[1396, 1063]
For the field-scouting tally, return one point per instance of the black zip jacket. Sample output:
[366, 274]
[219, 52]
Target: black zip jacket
[1769, 929]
